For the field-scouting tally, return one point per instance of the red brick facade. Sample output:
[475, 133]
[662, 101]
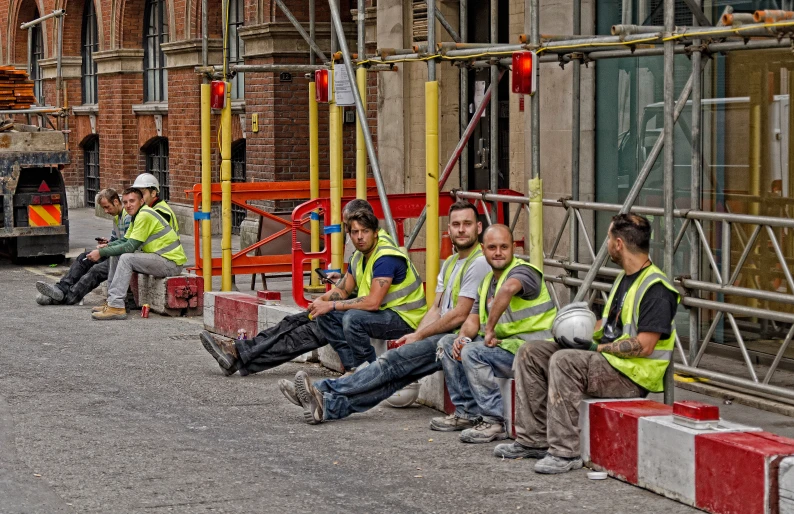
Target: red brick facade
[125, 124]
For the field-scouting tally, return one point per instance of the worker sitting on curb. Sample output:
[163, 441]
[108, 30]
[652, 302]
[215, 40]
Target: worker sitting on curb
[458, 282]
[85, 275]
[152, 247]
[512, 306]
[293, 336]
[149, 187]
[630, 351]
[390, 302]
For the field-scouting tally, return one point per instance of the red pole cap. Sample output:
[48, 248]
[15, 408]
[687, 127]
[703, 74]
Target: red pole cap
[697, 411]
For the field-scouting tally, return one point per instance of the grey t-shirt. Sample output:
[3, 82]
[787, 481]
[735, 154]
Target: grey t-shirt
[530, 282]
[469, 284]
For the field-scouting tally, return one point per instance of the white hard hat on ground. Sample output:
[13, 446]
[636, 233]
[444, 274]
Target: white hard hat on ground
[146, 180]
[574, 321]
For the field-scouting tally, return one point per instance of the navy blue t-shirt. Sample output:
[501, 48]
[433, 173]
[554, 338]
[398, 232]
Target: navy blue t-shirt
[390, 266]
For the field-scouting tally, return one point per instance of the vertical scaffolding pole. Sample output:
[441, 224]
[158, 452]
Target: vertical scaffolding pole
[576, 89]
[361, 80]
[494, 165]
[535, 187]
[669, 163]
[790, 191]
[206, 187]
[314, 157]
[226, 191]
[431, 161]
[463, 31]
[694, 198]
[336, 160]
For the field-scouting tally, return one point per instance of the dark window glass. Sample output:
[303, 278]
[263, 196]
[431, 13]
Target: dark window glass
[236, 50]
[238, 175]
[90, 45]
[155, 76]
[91, 160]
[157, 165]
[35, 69]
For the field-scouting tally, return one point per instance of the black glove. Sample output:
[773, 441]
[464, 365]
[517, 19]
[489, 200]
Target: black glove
[577, 344]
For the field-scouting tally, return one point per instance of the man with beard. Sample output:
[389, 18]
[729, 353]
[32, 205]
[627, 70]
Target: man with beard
[627, 357]
[458, 282]
[390, 302]
[513, 306]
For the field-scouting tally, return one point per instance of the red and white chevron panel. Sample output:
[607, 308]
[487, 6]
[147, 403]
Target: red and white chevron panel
[692, 456]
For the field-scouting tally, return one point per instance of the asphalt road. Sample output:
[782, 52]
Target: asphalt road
[134, 416]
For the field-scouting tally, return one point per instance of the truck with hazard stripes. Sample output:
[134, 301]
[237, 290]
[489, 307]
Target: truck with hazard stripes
[34, 220]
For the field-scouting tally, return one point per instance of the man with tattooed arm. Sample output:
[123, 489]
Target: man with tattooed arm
[390, 301]
[627, 357]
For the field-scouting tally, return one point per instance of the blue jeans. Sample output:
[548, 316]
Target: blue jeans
[471, 381]
[372, 384]
[349, 332]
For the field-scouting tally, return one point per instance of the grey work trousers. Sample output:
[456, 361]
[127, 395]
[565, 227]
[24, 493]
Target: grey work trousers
[120, 273]
[550, 384]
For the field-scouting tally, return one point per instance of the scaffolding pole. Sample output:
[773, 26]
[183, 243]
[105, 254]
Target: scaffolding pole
[573, 250]
[464, 97]
[494, 110]
[361, 82]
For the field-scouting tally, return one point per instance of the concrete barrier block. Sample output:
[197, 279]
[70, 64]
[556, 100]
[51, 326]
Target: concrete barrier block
[182, 295]
[235, 311]
[786, 485]
[209, 311]
[738, 472]
[508, 388]
[432, 391]
[330, 359]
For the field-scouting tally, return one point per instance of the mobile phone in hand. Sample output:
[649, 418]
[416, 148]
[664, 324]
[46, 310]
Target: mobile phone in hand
[323, 276]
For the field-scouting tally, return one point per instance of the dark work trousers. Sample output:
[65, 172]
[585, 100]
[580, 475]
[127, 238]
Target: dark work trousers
[291, 337]
[83, 277]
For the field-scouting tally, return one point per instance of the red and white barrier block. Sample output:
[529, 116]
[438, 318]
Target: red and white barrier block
[688, 453]
[229, 313]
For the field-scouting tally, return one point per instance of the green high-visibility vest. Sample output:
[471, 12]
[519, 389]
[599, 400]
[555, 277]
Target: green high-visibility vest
[523, 320]
[449, 265]
[407, 299]
[647, 372]
[164, 208]
[157, 235]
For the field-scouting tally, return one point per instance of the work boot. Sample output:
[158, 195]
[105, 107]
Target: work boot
[450, 423]
[484, 432]
[99, 308]
[50, 290]
[310, 398]
[516, 450]
[226, 360]
[287, 388]
[110, 313]
[43, 299]
[552, 465]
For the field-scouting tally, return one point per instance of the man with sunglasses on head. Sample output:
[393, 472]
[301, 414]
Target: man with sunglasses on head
[627, 357]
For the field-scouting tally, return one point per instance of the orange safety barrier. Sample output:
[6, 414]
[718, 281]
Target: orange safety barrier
[243, 192]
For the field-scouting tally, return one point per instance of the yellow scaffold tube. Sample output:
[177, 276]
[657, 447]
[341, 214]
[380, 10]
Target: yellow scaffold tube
[314, 180]
[536, 222]
[206, 186]
[226, 192]
[337, 238]
[431, 188]
[361, 147]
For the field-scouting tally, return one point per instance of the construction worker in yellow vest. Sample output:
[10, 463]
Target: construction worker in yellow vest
[150, 189]
[627, 356]
[513, 306]
[390, 301]
[151, 246]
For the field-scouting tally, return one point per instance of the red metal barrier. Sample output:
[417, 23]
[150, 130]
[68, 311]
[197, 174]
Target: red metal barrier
[403, 207]
[243, 264]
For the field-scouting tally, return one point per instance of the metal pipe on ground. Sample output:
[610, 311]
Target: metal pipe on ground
[728, 380]
[373, 158]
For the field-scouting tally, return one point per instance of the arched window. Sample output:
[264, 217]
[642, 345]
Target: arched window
[236, 48]
[238, 175]
[155, 76]
[157, 164]
[35, 57]
[91, 170]
[90, 44]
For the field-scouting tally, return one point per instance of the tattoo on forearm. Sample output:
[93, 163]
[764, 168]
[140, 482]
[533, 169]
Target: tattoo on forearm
[626, 348]
[352, 301]
[382, 282]
[335, 296]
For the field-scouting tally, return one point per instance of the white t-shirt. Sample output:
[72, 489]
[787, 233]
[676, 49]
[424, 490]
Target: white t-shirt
[469, 284]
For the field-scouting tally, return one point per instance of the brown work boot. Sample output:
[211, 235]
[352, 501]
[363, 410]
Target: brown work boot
[99, 308]
[222, 350]
[110, 313]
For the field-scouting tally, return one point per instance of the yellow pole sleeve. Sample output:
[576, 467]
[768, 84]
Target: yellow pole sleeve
[226, 192]
[361, 147]
[431, 189]
[206, 186]
[536, 222]
[314, 176]
[335, 128]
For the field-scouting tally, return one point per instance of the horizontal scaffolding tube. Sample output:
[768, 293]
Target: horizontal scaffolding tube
[737, 291]
[576, 282]
[738, 310]
[729, 380]
[33, 23]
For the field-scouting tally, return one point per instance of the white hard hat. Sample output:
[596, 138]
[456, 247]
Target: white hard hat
[405, 396]
[146, 180]
[574, 321]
